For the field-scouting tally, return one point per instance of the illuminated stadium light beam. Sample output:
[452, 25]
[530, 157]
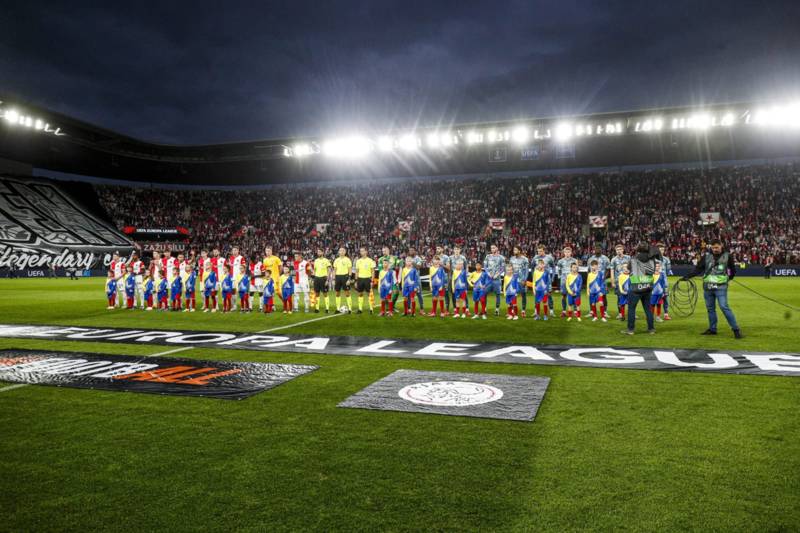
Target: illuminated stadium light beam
[12, 116]
[474, 137]
[347, 148]
[563, 132]
[728, 119]
[385, 143]
[302, 150]
[433, 140]
[447, 139]
[409, 142]
[520, 134]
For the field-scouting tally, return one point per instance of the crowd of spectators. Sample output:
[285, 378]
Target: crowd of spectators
[759, 210]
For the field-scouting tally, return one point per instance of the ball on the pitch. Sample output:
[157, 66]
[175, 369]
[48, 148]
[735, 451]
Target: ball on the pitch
[344, 309]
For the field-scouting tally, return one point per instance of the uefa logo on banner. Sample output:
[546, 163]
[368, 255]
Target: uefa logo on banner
[450, 393]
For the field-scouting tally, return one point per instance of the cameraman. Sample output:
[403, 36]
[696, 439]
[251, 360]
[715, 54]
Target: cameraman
[642, 266]
[717, 268]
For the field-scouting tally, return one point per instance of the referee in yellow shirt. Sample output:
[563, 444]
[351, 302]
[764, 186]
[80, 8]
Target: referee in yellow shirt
[342, 269]
[365, 269]
[322, 268]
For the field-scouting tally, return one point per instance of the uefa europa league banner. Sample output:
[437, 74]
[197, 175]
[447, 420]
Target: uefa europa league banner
[42, 228]
[725, 361]
[157, 375]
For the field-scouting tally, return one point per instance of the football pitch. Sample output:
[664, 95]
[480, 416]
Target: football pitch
[609, 449]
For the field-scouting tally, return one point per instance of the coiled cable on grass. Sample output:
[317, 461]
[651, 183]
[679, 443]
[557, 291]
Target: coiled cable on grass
[683, 297]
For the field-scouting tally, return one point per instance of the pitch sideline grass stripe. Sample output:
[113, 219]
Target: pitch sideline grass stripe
[176, 350]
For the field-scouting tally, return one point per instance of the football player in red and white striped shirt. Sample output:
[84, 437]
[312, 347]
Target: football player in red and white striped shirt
[218, 263]
[118, 268]
[138, 269]
[235, 262]
[302, 270]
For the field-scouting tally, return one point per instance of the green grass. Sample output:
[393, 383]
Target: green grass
[610, 449]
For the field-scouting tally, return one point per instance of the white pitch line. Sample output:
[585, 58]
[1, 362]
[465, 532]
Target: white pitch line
[176, 350]
[301, 323]
[12, 387]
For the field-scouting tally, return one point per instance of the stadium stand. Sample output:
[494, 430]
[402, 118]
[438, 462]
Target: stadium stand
[758, 206]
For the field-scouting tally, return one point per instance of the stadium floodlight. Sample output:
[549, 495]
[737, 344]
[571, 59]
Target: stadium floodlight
[302, 150]
[409, 142]
[474, 137]
[433, 140]
[491, 136]
[446, 139]
[520, 134]
[385, 143]
[12, 116]
[563, 131]
[347, 148]
[727, 119]
[700, 121]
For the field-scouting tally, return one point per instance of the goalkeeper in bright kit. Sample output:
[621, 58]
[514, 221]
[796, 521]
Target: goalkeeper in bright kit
[365, 269]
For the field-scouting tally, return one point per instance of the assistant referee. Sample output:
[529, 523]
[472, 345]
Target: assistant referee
[322, 269]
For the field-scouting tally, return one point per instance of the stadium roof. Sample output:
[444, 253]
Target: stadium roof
[53, 141]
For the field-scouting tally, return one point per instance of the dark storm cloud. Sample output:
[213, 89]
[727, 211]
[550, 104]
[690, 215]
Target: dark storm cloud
[214, 72]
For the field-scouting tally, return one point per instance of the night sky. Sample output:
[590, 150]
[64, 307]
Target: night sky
[206, 72]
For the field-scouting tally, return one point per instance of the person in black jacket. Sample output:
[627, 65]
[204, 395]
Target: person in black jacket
[642, 267]
[717, 268]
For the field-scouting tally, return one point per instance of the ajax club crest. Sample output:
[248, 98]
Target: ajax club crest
[450, 393]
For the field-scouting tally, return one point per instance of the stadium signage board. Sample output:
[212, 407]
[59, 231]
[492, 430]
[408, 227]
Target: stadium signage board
[531, 153]
[42, 228]
[697, 360]
[157, 375]
[498, 155]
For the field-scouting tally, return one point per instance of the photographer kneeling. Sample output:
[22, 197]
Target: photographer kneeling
[642, 268]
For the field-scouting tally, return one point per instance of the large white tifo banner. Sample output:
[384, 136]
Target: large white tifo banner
[725, 361]
[41, 227]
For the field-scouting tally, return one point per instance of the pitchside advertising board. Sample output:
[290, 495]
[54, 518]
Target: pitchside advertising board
[696, 360]
[42, 228]
[157, 375]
